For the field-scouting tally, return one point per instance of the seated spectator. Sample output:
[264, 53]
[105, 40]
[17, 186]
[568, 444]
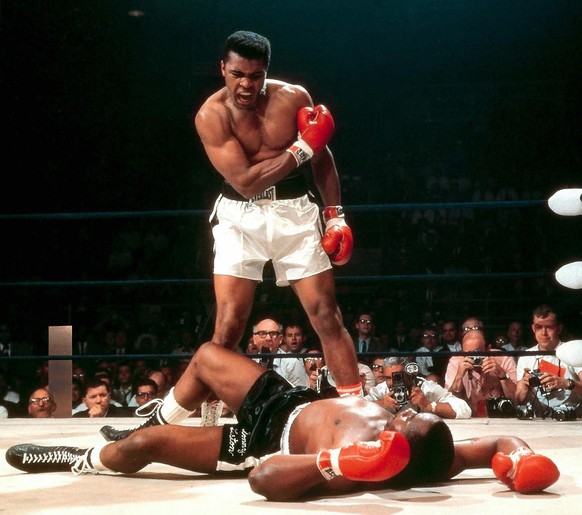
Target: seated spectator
[313, 366]
[41, 404]
[364, 340]
[514, 339]
[97, 398]
[160, 379]
[105, 376]
[432, 365]
[144, 391]
[141, 368]
[557, 385]
[292, 369]
[378, 370]
[450, 336]
[122, 388]
[422, 395]
[80, 373]
[477, 378]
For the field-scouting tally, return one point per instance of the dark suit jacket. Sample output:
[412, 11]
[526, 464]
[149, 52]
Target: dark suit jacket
[113, 411]
[375, 345]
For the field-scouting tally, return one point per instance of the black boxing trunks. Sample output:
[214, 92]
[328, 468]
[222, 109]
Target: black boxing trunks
[261, 419]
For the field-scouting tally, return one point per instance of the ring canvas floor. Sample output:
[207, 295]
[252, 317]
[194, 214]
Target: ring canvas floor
[161, 489]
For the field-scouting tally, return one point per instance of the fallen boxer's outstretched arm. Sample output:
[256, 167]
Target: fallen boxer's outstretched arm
[512, 460]
[334, 471]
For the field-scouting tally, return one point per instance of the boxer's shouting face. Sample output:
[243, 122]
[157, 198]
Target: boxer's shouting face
[244, 79]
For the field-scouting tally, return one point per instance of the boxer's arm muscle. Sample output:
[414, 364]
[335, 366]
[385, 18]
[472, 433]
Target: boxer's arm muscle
[289, 477]
[326, 178]
[230, 160]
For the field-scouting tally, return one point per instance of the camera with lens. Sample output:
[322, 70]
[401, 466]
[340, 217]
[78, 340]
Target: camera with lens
[326, 384]
[265, 361]
[500, 407]
[477, 361]
[535, 377]
[525, 411]
[413, 371]
[399, 389]
[564, 413]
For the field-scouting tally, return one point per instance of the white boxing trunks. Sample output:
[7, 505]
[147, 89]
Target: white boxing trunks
[248, 234]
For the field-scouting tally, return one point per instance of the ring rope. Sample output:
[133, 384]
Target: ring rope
[358, 208]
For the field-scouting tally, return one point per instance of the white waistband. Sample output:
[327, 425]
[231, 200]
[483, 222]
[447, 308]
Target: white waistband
[287, 429]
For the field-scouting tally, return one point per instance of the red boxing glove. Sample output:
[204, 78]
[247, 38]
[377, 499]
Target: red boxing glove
[366, 461]
[316, 127]
[524, 471]
[337, 241]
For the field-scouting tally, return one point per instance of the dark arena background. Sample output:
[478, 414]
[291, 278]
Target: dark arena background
[455, 121]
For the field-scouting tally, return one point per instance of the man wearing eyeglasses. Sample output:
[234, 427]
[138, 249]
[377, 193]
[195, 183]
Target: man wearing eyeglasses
[313, 366]
[476, 378]
[422, 395]
[268, 337]
[41, 404]
[560, 385]
[145, 391]
[365, 341]
[430, 366]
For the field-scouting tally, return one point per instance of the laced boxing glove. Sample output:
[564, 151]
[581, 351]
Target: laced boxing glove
[316, 126]
[524, 471]
[338, 241]
[366, 461]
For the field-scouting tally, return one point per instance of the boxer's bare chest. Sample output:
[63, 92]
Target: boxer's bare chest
[265, 132]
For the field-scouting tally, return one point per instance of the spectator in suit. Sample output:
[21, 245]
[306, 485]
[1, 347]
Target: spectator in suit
[433, 366]
[365, 341]
[97, 398]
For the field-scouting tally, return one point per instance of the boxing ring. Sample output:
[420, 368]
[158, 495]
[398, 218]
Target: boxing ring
[162, 488]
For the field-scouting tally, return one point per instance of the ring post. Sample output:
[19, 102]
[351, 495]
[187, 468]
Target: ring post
[60, 343]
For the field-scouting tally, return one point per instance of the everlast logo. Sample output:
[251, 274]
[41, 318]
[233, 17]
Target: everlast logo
[269, 194]
[301, 155]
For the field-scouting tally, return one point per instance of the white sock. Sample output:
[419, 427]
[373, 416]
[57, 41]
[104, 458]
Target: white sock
[95, 458]
[171, 411]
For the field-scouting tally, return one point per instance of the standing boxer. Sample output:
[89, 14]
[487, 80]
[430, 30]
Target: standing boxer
[260, 134]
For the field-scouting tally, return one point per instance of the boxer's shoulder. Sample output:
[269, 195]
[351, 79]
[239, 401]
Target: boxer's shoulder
[283, 91]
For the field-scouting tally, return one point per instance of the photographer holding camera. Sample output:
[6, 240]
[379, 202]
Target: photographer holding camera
[402, 387]
[479, 379]
[548, 385]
